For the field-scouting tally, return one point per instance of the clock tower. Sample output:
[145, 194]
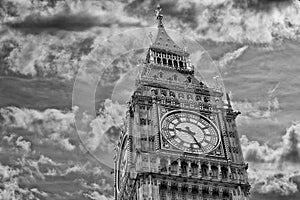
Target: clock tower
[180, 139]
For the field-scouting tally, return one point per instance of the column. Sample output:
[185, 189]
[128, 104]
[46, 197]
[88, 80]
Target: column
[190, 196]
[220, 192]
[169, 191]
[179, 191]
[189, 168]
[179, 167]
[200, 192]
[209, 170]
[210, 189]
[169, 166]
[229, 173]
[199, 170]
[219, 171]
[158, 166]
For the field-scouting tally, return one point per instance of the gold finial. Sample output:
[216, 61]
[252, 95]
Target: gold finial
[159, 15]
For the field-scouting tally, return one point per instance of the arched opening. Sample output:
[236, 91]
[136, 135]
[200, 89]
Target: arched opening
[204, 170]
[214, 171]
[181, 95]
[224, 172]
[205, 191]
[198, 98]
[189, 79]
[170, 63]
[163, 165]
[175, 64]
[175, 77]
[158, 60]
[225, 193]
[206, 99]
[215, 192]
[181, 64]
[163, 93]
[194, 167]
[161, 74]
[154, 91]
[184, 166]
[172, 94]
[164, 61]
[163, 192]
[174, 167]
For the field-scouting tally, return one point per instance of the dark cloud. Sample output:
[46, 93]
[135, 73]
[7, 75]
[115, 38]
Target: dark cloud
[261, 4]
[69, 22]
[186, 14]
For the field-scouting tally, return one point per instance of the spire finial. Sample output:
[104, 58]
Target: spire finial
[159, 15]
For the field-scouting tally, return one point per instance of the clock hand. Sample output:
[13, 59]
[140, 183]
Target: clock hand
[180, 129]
[205, 127]
[200, 147]
[188, 130]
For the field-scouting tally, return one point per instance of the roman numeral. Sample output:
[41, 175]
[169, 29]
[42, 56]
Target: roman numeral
[209, 135]
[208, 141]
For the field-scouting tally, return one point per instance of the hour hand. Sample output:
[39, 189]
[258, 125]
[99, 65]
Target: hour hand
[180, 129]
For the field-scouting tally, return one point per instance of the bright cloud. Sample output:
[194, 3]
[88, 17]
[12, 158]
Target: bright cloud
[272, 167]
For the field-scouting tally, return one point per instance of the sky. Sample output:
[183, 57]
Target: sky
[67, 69]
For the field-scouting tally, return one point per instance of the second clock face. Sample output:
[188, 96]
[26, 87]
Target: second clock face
[190, 132]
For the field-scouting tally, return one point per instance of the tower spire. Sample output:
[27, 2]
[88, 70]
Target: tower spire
[159, 15]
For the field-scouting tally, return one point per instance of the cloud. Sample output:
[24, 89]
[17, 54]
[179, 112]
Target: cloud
[41, 193]
[10, 187]
[258, 110]
[50, 120]
[106, 127]
[63, 142]
[230, 57]
[45, 56]
[279, 182]
[97, 196]
[71, 16]
[246, 21]
[262, 4]
[272, 168]
[25, 145]
[70, 22]
[53, 126]
[287, 150]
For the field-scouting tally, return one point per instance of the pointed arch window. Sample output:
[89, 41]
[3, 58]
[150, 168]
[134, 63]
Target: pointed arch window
[204, 170]
[175, 63]
[158, 60]
[194, 167]
[161, 74]
[170, 63]
[172, 94]
[181, 95]
[164, 61]
[175, 77]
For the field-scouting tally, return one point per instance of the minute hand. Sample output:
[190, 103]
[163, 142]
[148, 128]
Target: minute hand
[197, 142]
[191, 133]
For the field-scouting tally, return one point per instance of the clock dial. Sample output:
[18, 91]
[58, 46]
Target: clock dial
[190, 132]
[123, 162]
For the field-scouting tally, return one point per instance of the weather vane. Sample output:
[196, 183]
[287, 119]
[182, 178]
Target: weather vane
[159, 15]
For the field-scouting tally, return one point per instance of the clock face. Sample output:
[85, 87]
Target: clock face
[190, 132]
[122, 164]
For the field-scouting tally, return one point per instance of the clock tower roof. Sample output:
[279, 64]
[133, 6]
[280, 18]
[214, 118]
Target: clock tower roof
[163, 41]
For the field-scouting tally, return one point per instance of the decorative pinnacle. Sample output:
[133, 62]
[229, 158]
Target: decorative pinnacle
[228, 100]
[159, 15]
